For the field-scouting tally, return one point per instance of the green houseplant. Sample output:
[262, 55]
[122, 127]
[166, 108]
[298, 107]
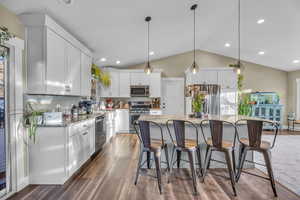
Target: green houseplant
[31, 118]
[101, 76]
[198, 105]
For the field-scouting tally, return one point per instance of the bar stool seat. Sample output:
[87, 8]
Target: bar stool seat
[263, 145]
[189, 144]
[226, 144]
[156, 145]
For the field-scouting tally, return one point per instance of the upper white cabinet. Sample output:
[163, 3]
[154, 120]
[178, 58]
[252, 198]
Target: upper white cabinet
[57, 63]
[155, 84]
[121, 80]
[224, 77]
[86, 64]
[227, 79]
[139, 78]
[124, 84]
[73, 70]
[113, 89]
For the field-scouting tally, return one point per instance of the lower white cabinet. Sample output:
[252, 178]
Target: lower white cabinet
[60, 151]
[122, 121]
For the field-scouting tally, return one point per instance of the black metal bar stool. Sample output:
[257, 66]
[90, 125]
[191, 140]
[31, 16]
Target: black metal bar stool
[255, 143]
[216, 143]
[191, 146]
[149, 145]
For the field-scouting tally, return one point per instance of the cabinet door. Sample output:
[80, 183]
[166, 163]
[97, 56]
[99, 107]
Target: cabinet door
[114, 86]
[86, 63]
[124, 85]
[228, 102]
[75, 153]
[73, 75]
[227, 79]
[122, 120]
[155, 85]
[139, 78]
[56, 63]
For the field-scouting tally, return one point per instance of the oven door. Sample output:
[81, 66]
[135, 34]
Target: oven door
[139, 91]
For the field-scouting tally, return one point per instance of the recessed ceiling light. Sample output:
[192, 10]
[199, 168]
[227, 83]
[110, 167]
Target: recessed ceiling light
[118, 62]
[261, 53]
[103, 59]
[296, 61]
[151, 53]
[227, 44]
[260, 21]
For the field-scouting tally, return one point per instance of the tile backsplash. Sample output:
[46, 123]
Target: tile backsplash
[47, 102]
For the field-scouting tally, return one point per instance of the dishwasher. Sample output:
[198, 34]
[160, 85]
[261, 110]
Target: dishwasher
[100, 133]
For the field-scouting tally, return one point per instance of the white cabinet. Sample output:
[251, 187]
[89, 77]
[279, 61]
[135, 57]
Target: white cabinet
[86, 79]
[56, 61]
[228, 102]
[207, 77]
[227, 79]
[73, 70]
[155, 85]
[204, 76]
[110, 124]
[122, 121]
[139, 78]
[124, 84]
[113, 89]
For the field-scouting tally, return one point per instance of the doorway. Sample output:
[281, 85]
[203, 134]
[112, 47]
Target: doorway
[173, 96]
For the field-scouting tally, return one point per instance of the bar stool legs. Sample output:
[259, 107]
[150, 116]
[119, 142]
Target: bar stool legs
[138, 167]
[192, 166]
[266, 154]
[158, 170]
[229, 162]
[270, 170]
[157, 159]
[230, 170]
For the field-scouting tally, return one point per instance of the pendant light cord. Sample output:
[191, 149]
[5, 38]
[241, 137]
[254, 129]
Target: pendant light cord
[148, 40]
[239, 31]
[194, 35]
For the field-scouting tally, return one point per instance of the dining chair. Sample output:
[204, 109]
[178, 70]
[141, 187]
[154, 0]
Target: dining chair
[149, 145]
[216, 143]
[254, 142]
[182, 144]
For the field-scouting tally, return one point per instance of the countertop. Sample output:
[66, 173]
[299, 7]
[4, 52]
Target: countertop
[71, 121]
[162, 119]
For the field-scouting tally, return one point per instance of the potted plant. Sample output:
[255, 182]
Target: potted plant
[198, 105]
[31, 120]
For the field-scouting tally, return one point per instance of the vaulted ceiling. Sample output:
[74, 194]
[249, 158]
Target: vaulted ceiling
[116, 30]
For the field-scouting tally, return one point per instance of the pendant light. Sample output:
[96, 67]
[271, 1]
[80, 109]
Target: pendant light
[194, 68]
[148, 68]
[238, 70]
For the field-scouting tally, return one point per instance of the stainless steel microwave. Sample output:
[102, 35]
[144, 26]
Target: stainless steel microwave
[139, 91]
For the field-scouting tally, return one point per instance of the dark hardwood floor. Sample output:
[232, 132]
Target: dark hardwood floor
[111, 175]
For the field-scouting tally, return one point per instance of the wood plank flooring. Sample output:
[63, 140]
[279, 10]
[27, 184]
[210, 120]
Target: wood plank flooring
[110, 176]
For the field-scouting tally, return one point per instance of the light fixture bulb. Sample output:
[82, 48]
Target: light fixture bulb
[194, 71]
[238, 71]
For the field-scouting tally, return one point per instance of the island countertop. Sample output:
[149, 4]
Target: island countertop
[162, 119]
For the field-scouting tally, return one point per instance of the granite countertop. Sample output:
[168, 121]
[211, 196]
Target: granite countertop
[162, 119]
[71, 121]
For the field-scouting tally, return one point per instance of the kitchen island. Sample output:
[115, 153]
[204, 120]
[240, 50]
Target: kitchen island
[228, 134]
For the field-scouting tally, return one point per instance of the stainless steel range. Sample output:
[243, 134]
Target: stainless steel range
[138, 108]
